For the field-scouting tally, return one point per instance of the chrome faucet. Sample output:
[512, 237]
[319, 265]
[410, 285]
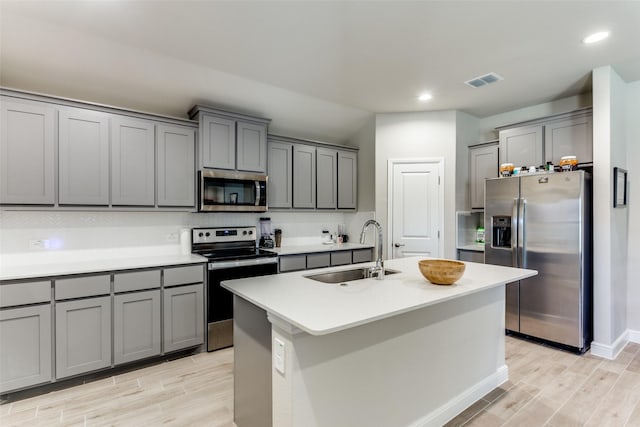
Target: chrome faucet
[378, 270]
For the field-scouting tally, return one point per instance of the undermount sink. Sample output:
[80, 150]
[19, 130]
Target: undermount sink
[345, 275]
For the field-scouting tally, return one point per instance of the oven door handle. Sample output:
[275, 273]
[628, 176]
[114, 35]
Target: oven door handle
[219, 265]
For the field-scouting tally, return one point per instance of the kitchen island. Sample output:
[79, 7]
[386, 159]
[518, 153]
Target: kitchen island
[396, 352]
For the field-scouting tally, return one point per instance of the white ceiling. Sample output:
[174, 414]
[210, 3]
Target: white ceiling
[317, 68]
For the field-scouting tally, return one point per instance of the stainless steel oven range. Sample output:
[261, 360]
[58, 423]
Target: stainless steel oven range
[232, 254]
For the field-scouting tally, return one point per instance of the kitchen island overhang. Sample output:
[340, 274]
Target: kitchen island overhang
[381, 353]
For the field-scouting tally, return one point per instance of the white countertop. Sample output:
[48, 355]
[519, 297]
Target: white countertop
[478, 247]
[321, 308]
[38, 265]
[306, 249]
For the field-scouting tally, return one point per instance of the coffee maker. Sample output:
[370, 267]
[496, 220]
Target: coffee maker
[266, 241]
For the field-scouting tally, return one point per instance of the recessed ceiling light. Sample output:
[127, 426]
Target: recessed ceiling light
[425, 97]
[595, 37]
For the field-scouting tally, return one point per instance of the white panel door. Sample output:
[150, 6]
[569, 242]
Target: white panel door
[416, 209]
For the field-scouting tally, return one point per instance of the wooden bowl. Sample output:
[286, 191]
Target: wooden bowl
[441, 271]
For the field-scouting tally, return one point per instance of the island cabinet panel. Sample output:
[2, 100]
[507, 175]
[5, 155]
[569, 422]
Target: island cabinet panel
[25, 340]
[318, 260]
[522, 146]
[347, 179]
[341, 258]
[183, 317]
[83, 157]
[472, 256]
[326, 176]
[279, 192]
[27, 153]
[362, 255]
[136, 323]
[176, 164]
[304, 176]
[483, 164]
[83, 336]
[570, 137]
[218, 145]
[251, 147]
[292, 263]
[132, 162]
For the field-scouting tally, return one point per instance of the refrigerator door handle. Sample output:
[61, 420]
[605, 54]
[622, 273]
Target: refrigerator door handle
[522, 233]
[514, 235]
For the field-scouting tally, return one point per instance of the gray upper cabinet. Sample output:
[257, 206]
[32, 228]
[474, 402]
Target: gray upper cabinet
[136, 326]
[83, 157]
[251, 147]
[175, 165]
[279, 192]
[326, 176]
[231, 140]
[218, 143]
[347, 179]
[25, 340]
[569, 137]
[83, 336]
[483, 164]
[304, 176]
[522, 146]
[27, 144]
[132, 162]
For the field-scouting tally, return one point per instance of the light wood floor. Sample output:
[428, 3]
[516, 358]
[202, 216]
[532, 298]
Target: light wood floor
[547, 387]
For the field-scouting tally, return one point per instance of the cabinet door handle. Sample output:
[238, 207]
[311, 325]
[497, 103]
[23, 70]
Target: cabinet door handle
[397, 245]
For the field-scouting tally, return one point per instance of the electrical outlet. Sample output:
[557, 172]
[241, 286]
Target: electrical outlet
[38, 244]
[172, 237]
[278, 355]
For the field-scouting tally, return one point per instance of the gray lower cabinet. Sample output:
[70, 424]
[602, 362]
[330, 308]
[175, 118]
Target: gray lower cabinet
[132, 162]
[83, 336]
[297, 262]
[175, 146]
[326, 178]
[83, 157]
[279, 192]
[347, 180]
[251, 147]
[304, 176]
[27, 152]
[136, 326]
[483, 164]
[25, 340]
[522, 146]
[362, 255]
[183, 317]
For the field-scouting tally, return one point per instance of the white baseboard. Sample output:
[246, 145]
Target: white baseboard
[611, 351]
[453, 407]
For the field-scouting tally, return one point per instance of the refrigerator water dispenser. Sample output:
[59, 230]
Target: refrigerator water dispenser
[501, 232]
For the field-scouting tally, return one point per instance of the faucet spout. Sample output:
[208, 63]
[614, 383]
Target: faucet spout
[378, 270]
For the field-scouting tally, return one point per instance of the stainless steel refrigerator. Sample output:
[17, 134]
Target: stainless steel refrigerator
[543, 222]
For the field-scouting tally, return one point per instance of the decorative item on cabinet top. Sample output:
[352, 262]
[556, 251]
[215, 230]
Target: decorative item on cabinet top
[231, 141]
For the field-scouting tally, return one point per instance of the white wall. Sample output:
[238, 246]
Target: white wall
[418, 135]
[610, 226]
[633, 166]
[467, 133]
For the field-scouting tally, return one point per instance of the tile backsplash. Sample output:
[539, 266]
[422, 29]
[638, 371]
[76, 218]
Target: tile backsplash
[28, 231]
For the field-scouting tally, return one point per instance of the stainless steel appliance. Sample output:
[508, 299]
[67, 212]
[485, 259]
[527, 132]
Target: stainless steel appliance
[232, 254]
[229, 191]
[543, 222]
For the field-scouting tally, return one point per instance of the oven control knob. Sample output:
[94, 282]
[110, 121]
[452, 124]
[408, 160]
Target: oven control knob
[244, 233]
[200, 234]
[250, 232]
[207, 234]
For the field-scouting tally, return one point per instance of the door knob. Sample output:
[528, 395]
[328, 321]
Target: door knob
[397, 245]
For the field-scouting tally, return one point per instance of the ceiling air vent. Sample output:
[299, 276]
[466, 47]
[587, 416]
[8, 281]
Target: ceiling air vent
[483, 80]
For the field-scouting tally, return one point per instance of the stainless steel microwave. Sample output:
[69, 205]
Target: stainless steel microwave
[226, 191]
